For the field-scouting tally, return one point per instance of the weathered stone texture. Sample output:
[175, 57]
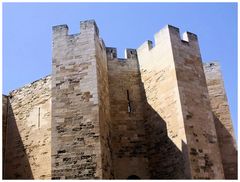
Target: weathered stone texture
[78, 109]
[129, 151]
[222, 118]
[165, 128]
[146, 116]
[5, 103]
[203, 150]
[104, 110]
[176, 89]
[28, 139]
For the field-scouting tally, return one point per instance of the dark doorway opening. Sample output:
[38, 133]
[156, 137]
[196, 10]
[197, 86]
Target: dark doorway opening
[133, 177]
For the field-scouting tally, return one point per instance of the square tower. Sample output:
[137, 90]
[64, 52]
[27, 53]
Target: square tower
[175, 86]
[80, 105]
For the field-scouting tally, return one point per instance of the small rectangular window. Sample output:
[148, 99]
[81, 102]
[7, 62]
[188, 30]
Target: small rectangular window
[129, 103]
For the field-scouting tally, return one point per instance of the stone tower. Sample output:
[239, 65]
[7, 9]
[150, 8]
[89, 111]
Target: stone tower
[175, 86]
[80, 105]
[157, 113]
[222, 119]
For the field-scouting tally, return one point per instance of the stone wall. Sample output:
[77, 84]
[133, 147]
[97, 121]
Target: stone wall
[28, 141]
[77, 150]
[146, 116]
[165, 129]
[129, 147]
[104, 110]
[202, 143]
[222, 118]
[5, 104]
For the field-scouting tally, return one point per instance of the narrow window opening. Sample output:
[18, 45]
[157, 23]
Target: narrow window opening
[39, 117]
[129, 103]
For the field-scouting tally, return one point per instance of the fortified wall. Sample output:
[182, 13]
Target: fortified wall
[27, 133]
[158, 113]
[222, 119]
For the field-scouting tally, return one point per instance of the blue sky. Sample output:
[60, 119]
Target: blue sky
[27, 30]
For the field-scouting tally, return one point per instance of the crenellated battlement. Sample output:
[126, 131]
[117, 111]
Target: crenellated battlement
[88, 26]
[171, 35]
[189, 37]
[146, 46]
[111, 52]
[129, 53]
[174, 32]
[63, 29]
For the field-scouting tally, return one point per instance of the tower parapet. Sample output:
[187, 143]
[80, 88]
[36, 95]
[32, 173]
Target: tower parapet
[89, 25]
[60, 29]
[170, 32]
[111, 52]
[146, 46]
[86, 27]
[130, 54]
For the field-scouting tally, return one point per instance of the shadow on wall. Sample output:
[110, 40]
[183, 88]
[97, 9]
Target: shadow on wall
[16, 160]
[166, 161]
[227, 149]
